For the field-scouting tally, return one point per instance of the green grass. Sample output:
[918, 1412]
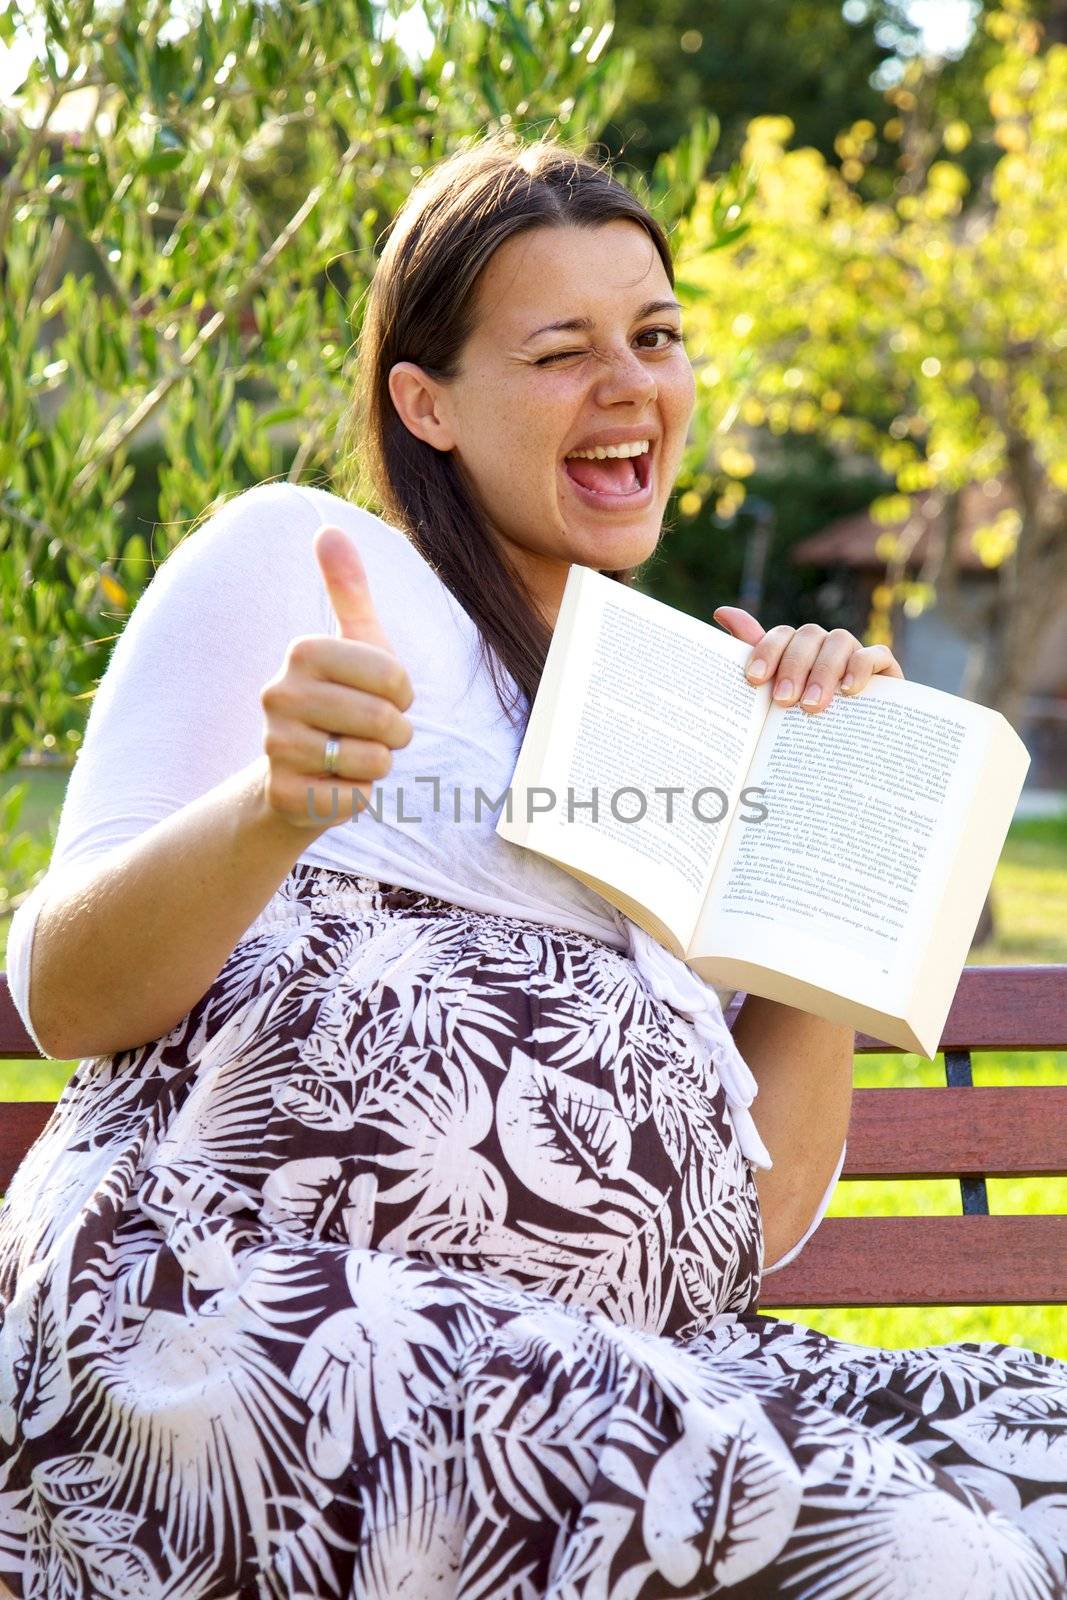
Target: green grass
[1029, 897]
[45, 788]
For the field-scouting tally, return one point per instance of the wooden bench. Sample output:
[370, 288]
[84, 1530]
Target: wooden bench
[959, 1131]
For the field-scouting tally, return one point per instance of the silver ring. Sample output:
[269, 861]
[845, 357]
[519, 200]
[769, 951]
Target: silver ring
[329, 760]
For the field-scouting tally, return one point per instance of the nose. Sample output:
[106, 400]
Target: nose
[625, 376]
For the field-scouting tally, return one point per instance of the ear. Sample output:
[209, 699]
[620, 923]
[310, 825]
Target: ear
[420, 405]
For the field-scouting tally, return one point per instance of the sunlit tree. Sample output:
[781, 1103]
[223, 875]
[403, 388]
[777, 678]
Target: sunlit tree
[927, 333]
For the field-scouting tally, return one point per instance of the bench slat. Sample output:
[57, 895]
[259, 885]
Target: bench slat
[855, 1261]
[894, 1133]
[15, 1042]
[20, 1123]
[995, 1008]
[1000, 1008]
[926, 1261]
[941, 1133]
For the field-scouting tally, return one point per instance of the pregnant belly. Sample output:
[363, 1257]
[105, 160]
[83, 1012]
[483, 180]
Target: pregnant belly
[497, 1096]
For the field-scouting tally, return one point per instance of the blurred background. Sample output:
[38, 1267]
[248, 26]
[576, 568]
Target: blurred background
[867, 203]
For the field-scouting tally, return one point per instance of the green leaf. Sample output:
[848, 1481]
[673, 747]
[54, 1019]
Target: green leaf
[147, 338]
[72, 166]
[162, 161]
[280, 414]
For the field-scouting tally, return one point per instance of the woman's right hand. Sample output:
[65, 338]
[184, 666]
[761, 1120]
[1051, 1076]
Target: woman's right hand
[354, 688]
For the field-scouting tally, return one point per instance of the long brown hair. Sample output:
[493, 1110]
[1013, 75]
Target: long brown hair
[420, 308]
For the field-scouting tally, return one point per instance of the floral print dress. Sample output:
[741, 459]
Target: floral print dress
[421, 1261]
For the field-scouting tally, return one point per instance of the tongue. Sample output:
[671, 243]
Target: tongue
[615, 475]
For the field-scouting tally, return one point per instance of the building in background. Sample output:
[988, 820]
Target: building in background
[940, 646]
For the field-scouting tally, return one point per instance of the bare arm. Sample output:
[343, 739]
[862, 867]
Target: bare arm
[803, 1067]
[123, 948]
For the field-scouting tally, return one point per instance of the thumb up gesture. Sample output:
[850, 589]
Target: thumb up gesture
[353, 689]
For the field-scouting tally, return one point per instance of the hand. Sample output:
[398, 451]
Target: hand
[353, 687]
[807, 659]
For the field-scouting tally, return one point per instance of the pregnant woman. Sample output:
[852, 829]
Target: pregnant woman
[400, 1232]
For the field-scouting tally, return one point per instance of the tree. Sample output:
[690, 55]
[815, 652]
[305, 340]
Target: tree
[801, 58]
[924, 336]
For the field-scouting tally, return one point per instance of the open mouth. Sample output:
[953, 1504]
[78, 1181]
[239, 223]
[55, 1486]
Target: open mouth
[613, 477]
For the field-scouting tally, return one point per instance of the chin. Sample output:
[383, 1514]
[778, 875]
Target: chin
[613, 554]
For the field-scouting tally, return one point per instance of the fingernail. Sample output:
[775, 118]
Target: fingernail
[812, 696]
[758, 670]
[847, 681]
[784, 690]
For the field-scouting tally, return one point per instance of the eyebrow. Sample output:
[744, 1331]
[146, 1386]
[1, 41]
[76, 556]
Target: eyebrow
[585, 324]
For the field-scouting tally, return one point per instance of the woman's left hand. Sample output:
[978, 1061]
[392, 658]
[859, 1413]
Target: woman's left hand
[808, 663]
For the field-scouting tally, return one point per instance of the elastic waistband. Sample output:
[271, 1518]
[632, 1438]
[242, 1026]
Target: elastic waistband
[336, 892]
[350, 893]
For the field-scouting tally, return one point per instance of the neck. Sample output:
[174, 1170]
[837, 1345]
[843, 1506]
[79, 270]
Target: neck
[545, 579]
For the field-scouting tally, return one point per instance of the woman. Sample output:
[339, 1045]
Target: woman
[401, 1229]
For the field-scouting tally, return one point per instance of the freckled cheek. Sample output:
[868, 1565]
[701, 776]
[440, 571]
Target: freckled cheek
[518, 470]
[684, 393]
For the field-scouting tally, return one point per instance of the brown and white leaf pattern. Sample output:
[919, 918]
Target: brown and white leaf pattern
[420, 1259]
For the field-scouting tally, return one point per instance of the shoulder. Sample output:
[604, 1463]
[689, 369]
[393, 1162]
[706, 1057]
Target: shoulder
[270, 517]
[392, 561]
[275, 524]
[411, 600]
[254, 557]
[250, 557]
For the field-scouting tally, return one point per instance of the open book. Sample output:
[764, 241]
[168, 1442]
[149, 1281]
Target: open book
[836, 862]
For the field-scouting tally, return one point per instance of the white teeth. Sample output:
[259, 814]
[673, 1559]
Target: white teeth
[602, 452]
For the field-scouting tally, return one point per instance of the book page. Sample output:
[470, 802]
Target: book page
[865, 803]
[647, 752]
